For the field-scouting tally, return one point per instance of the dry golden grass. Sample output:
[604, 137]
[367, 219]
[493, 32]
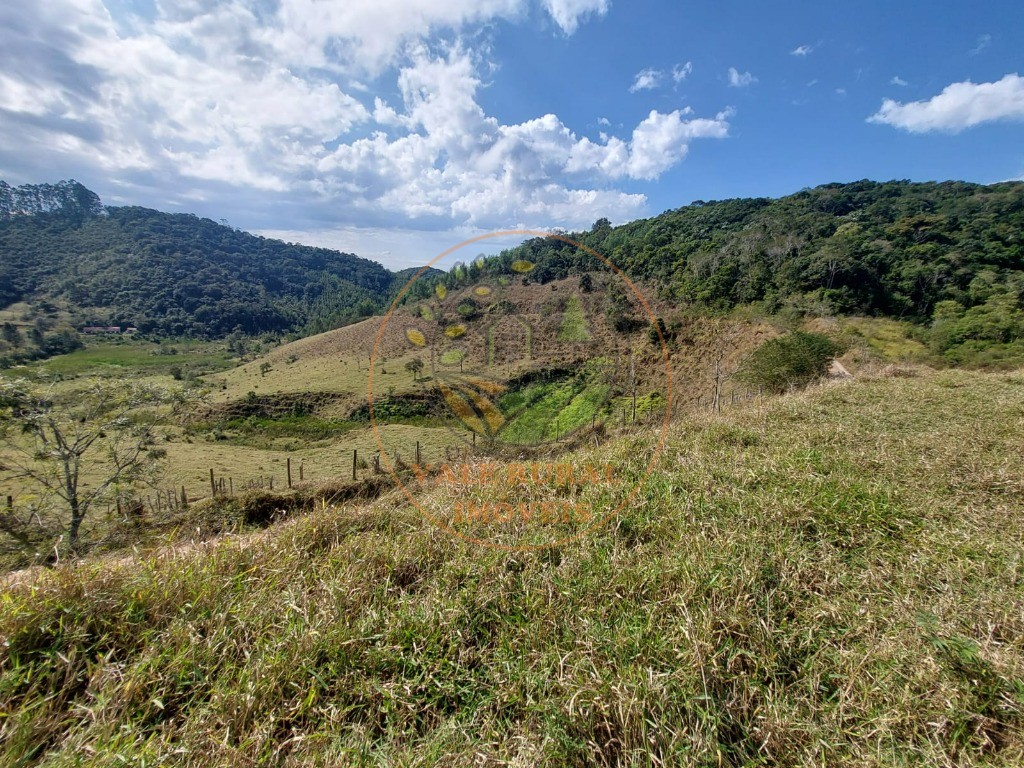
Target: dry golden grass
[830, 578]
[190, 463]
[16, 313]
[881, 339]
[336, 361]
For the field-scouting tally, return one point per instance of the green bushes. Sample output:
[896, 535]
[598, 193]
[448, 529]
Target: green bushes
[989, 332]
[793, 360]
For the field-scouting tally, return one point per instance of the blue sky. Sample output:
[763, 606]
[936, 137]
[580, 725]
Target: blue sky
[396, 128]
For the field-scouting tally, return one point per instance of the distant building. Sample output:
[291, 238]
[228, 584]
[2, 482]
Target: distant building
[102, 329]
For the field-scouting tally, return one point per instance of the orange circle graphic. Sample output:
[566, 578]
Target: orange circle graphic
[411, 494]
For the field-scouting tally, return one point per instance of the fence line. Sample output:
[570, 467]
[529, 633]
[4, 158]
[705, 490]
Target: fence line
[178, 497]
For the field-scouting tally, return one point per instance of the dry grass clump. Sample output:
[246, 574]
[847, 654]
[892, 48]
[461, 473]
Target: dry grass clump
[831, 578]
[895, 371]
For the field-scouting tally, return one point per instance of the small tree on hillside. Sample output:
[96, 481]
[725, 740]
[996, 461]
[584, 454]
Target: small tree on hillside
[12, 335]
[722, 342]
[793, 360]
[54, 440]
[414, 367]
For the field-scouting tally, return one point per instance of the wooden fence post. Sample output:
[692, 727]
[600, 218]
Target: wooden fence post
[354, 453]
[301, 467]
[213, 484]
[184, 498]
[289, 470]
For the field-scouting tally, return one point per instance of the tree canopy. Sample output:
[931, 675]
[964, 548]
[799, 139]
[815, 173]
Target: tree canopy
[180, 275]
[949, 254]
[895, 248]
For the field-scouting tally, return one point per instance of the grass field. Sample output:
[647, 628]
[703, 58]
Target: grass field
[189, 463]
[829, 578]
[18, 313]
[328, 460]
[337, 361]
[889, 340]
[134, 358]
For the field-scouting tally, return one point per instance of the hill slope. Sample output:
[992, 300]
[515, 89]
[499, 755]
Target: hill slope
[946, 254]
[894, 248]
[831, 578]
[172, 274]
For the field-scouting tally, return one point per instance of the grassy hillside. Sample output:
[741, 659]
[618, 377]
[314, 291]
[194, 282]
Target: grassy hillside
[306, 402]
[552, 347]
[830, 578]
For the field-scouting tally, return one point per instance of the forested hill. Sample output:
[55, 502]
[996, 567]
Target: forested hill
[172, 274]
[912, 250]
[949, 255]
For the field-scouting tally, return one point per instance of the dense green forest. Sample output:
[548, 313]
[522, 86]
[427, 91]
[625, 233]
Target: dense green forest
[947, 256]
[177, 274]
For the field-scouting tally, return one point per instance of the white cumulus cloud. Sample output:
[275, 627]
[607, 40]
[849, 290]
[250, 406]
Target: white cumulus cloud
[959, 106]
[802, 50]
[458, 163]
[662, 140]
[302, 112]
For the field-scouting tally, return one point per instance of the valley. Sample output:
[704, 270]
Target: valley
[511, 384]
[393, 534]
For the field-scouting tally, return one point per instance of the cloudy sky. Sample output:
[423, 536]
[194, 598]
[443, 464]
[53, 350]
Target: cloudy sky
[396, 128]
